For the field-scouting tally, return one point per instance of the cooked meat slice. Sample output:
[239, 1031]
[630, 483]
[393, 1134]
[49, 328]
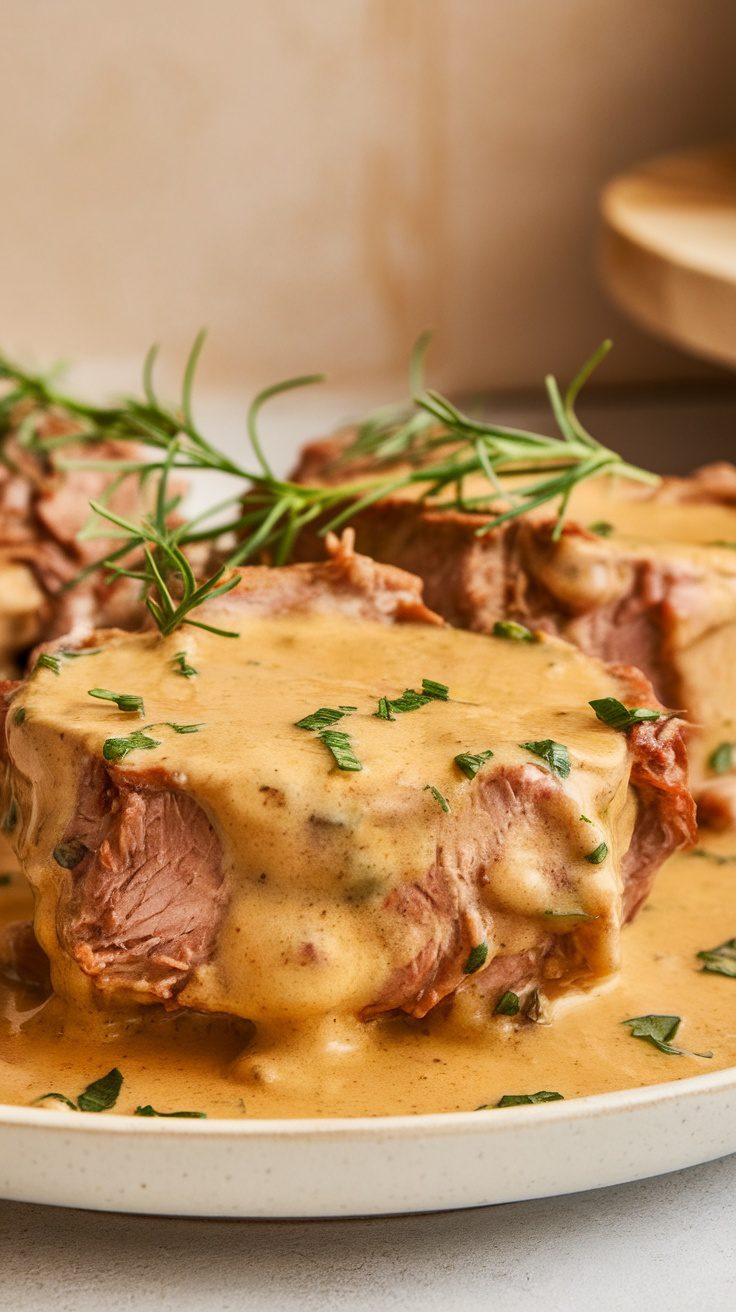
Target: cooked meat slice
[236, 869]
[659, 591]
[43, 507]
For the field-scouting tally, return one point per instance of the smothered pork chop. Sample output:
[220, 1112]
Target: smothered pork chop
[640, 574]
[349, 809]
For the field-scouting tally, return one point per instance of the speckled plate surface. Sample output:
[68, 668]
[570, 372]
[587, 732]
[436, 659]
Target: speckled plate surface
[363, 1166]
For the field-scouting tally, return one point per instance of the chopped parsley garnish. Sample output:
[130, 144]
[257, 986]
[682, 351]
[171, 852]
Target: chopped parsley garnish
[507, 1005]
[19, 715]
[521, 1099]
[339, 744]
[436, 691]
[384, 711]
[125, 701]
[115, 749]
[68, 855]
[516, 632]
[71, 655]
[178, 728]
[470, 763]
[321, 719]
[555, 755]
[720, 760]
[438, 797]
[598, 855]
[720, 960]
[148, 1110]
[48, 662]
[181, 666]
[99, 1096]
[476, 958]
[658, 1030]
[601, 528]
[610, 711]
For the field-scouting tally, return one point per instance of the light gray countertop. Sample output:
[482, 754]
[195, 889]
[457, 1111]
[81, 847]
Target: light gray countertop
[667, 1243]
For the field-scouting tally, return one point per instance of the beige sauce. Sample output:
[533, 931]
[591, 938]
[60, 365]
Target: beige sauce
[407, 1067]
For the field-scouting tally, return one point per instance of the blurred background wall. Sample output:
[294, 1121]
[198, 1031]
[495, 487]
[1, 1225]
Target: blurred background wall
[319, 181]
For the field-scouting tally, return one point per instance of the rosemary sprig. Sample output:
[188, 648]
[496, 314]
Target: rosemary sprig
[433, 447]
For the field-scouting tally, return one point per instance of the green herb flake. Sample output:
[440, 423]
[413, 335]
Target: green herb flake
[148, 1110]
[720, 960]
[48, 662]
[102, 1094]
[180, 728]
[477, 957]
[601, 528]
[57, 1097]
[181, 666]
[321, 719]
[438, 797]
[410, 700]
[598, 855]
[125, 701]
[470, 763]
[19, 715]
[384, 711]
[71, 655]
[339, 744]
[610, 711]
[720, 760]
[515, 632]
[69, 855]
[507, 1005]
[658, 1030]
[555, 755]
[439, 692]
[116, 749]
[522, 1099]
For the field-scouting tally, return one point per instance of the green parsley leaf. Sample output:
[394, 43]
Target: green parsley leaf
[181, 666]
[720, 960]
[179, 728]
[321, 719]
[439, 692]
[477, 957]
[610, 711]
[554, 754]
[148, 1110]
[470, 763]
[72, 655]
[521, 1099]
[598, 855]
[340, 746]
[507, 1005]
[720, 760]
[384, 711]
[125, 701]
[19, 715]
[102, 1094]
[601, 528]
[658, 1030]
[438, 797]
[58, 1097]
[408, 701]
[68, 855]
[48, 662]
[115, 749]
[516, 632]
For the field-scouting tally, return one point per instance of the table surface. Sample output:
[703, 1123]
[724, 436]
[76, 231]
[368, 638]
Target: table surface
[618, 1248]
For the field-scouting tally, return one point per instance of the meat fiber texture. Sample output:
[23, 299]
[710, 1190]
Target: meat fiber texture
[658, 591]
[226, 871]
[43, 508]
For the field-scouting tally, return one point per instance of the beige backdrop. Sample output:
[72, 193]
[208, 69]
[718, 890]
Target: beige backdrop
[319, 180]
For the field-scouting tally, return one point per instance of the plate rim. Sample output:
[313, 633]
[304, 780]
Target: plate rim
[614, 1102]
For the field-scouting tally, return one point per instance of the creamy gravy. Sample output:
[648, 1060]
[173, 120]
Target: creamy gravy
[393, 1066]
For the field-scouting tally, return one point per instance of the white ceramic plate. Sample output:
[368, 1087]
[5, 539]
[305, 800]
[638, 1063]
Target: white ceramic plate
[363, 1166]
